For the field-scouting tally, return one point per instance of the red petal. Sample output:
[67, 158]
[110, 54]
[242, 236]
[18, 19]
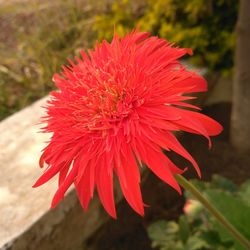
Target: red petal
[167, 141]
[85, 187]
[50, 172]
[194, 83]
[65, 185]
[63, 174]
[212, 127]
[184, 104]
[129, 177]
[175, 145]
[105, 186]
[157, 164]
[195, 122]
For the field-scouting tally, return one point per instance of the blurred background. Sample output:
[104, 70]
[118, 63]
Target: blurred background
[36, 38]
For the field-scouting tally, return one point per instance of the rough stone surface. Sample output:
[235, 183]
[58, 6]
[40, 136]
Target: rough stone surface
[26, 222]
[20, 145]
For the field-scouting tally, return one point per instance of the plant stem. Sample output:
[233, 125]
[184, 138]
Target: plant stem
[217, 214]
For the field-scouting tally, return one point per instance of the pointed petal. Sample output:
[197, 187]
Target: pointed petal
[194, 83]
[129, 177]
[159, 137]
[85, 186]
[173, 168]
[49, 173]
[63, 174]
[158, 165]
[104, 185]
[65, 185]
[184, 104]
[212, 127]
[199, 121]
[175, 145]
[187, 123]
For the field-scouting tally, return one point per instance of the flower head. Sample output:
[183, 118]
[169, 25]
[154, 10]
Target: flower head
[115, 111]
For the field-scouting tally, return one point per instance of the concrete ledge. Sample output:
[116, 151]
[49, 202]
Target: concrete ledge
[26, 222]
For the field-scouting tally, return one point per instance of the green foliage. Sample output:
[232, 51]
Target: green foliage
[36, 37]
[245, 192]
[196, 229]
[121, 15]
[44, 35]
[205, 26]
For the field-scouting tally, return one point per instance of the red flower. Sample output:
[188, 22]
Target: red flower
[118, 108]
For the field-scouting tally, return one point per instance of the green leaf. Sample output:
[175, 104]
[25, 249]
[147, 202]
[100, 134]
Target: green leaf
[163, 233]
[234, 209]
[201, 231]
[184, 229]
[245, 192]
[223, 183]
[196, 243]
[213, 239]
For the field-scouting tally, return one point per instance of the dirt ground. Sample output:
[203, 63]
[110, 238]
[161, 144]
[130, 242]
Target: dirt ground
[129, 231]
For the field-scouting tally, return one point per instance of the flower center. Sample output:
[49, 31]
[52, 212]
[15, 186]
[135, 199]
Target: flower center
[107, 106]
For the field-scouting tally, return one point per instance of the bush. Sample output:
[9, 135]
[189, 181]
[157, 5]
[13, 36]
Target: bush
[196, 229]
[205, 26]
[43, 35]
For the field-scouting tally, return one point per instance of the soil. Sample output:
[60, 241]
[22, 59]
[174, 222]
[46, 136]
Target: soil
[128, 232]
